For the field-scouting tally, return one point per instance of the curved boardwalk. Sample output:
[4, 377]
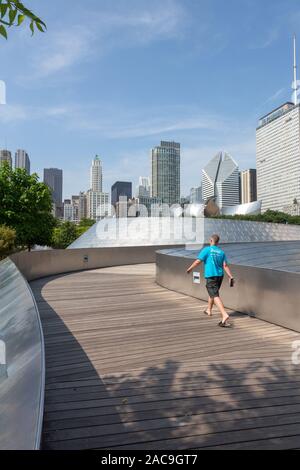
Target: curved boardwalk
[130, 365]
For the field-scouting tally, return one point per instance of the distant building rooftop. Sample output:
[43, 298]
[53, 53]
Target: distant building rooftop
[276, 113]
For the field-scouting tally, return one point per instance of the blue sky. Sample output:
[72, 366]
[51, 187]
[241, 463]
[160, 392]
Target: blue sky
[114, 77]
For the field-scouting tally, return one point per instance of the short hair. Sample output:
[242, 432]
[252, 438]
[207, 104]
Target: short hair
[215, 238]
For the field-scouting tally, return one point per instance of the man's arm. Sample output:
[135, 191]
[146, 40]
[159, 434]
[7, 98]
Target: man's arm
[195, 263]
[227, 270]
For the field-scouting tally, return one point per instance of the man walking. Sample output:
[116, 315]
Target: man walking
[215, 263]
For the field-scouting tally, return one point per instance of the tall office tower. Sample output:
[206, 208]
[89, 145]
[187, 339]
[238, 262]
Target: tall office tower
[82, 206]
[196, 195]
[5, 156]
[22, 160]
[75, 205]
[278, 153]
[144, 187]
[96, 175]
[68, 210]
[220, 181]
[120, 188]
[97, 202]
[166, 172]
[98, 205]
[248, 189]
[53, 177]
[278, 157]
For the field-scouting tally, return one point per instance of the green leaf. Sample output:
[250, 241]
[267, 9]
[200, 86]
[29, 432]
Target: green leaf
[3, 31]
[3, 9]
[21, 18]
[39, 27]
[12, 16]
[32, 28]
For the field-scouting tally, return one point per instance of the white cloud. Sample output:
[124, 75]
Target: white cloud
[145, 22]
[61, 51]
[12, 113]
[118, 125]
[98, 32]
[271, 37]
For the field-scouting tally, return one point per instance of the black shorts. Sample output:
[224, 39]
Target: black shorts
[213, 285]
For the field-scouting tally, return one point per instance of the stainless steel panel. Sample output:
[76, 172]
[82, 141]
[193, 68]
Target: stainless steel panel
[145, 231]
[268, 294]
[22, 382]
[39, 264]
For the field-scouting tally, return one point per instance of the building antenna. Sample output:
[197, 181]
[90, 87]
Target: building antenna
[295, 83]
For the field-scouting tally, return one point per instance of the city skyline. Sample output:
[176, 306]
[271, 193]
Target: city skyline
[73, 92]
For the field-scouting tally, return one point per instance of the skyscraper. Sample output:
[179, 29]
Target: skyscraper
[5, 156]
[278, 153]
[96, 175]
[98, 205]
[120, 188]
[220, 181]
[248, 186]
[144, 187]
[82, 206]
[97, 202]
[53, 177]
[22, 160]
[166, 172]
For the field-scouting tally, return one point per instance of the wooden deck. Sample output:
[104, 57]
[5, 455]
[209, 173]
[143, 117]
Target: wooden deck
[130, 365]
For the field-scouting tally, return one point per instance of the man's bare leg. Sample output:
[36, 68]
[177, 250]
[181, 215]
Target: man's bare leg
[210, 306]
[221, 308]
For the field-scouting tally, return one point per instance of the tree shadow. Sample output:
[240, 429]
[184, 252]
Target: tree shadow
[220, 406]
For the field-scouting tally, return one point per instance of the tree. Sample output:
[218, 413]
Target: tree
[269, 216]
[64, 235]
[86, 222]
[26, 206]
[13, 13]
[7, 240]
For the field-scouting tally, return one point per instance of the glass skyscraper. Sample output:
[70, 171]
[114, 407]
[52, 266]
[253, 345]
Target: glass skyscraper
[166, 172]
[120, 188]
[53, 178]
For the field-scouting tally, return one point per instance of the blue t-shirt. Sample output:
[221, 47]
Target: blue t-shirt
[213, 258]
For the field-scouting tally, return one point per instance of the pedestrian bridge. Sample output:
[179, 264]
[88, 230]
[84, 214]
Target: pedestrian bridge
[133, 365]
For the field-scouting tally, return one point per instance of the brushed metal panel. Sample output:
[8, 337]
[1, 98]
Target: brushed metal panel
[268, 294]
[22, 384]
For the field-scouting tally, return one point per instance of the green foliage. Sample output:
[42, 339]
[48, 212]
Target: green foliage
[14, 13]
[270, 216]
[64, 234]
[86, 223]
[7, 241]
[26, 206]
